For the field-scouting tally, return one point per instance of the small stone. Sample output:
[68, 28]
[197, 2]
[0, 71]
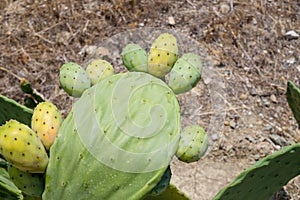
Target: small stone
[141, 24]
[269, 127]
[273, 98]
[250, 139]
[253, 92]
[278, 140]
[214, 137]
[232, 124]
[224, 8]
[171, 21]
[291, 60]
[226, 123]
[261, 115]
[266, 103]
[251, 126]
[291, 35]
[256, 157]
[243, 96]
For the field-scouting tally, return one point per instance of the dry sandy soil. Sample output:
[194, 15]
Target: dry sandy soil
[248, 51]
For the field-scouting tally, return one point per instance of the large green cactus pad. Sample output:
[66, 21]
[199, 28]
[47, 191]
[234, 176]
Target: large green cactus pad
[293, 98]
[117, 141]
[265, 177]
[8, 190]
[171, 193]
[10, 109]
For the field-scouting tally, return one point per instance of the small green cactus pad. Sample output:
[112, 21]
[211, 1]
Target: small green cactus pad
[171, 193]
[74, 79]
[293, 98]
[117, 141]
[30, 184]
[163, 183]
[186, 73]
[265, 177]
[135, 58]
[10, 109]
[162, 55]
[8, 190]
[22, 148]
[193, 144]
[99, 69]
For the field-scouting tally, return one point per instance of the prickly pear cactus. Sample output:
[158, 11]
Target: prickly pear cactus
[8, 190]
[128, 139]
[265, 177]
[171, 193]
[162, 55]
[22, 148]
[74, 79]
[186, 73]
[163, 183]
[10, 109]
[135, 58]
[99, 69]
[46, 121]
[293, 98]
[30, 184]
[193, 144]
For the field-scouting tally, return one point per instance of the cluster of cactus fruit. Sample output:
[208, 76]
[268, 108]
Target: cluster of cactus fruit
[121, 134]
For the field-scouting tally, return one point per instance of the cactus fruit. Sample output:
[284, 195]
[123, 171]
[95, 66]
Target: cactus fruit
[10, 109]
[186, 73]
[293, 98]
[163, 183]
[99, 69]
[162, 55]
[46, 120]
[30, 184]
[8, 190]
[74, 79]
[265, 177]
[119, 148]
[193, 144]
[135, 58]
[22, 148]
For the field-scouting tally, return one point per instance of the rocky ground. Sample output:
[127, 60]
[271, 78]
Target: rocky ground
[252, 46]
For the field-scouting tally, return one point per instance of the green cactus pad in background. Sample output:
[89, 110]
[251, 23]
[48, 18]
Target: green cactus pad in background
[193, 144]
[10, 109]
[163, 183]
[8, 190]
[186, 73]
[99, 69]
[117, 141]
[30, 184]
[265, 177]
[74, 79]
[135, 58]
[46, 120]
[20, 146]
[162, 55]
[293, 98]
[171, 193]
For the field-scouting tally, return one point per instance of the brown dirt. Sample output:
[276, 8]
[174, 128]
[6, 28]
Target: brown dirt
[245, 39]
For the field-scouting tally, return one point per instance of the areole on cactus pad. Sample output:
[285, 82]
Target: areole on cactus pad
[121, 130]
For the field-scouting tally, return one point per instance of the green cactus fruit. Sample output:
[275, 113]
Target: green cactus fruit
[30, 184]
[22, 148]
[265, 177]
[186, 73]
[99, 69]
[8, 190]
[10, 109]
[193, 144]
[163, 183]
[162, 55]
[293, 98]
[135, 58]
[74, 79]
[46, 120]
[170, 193]
[118, 148]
